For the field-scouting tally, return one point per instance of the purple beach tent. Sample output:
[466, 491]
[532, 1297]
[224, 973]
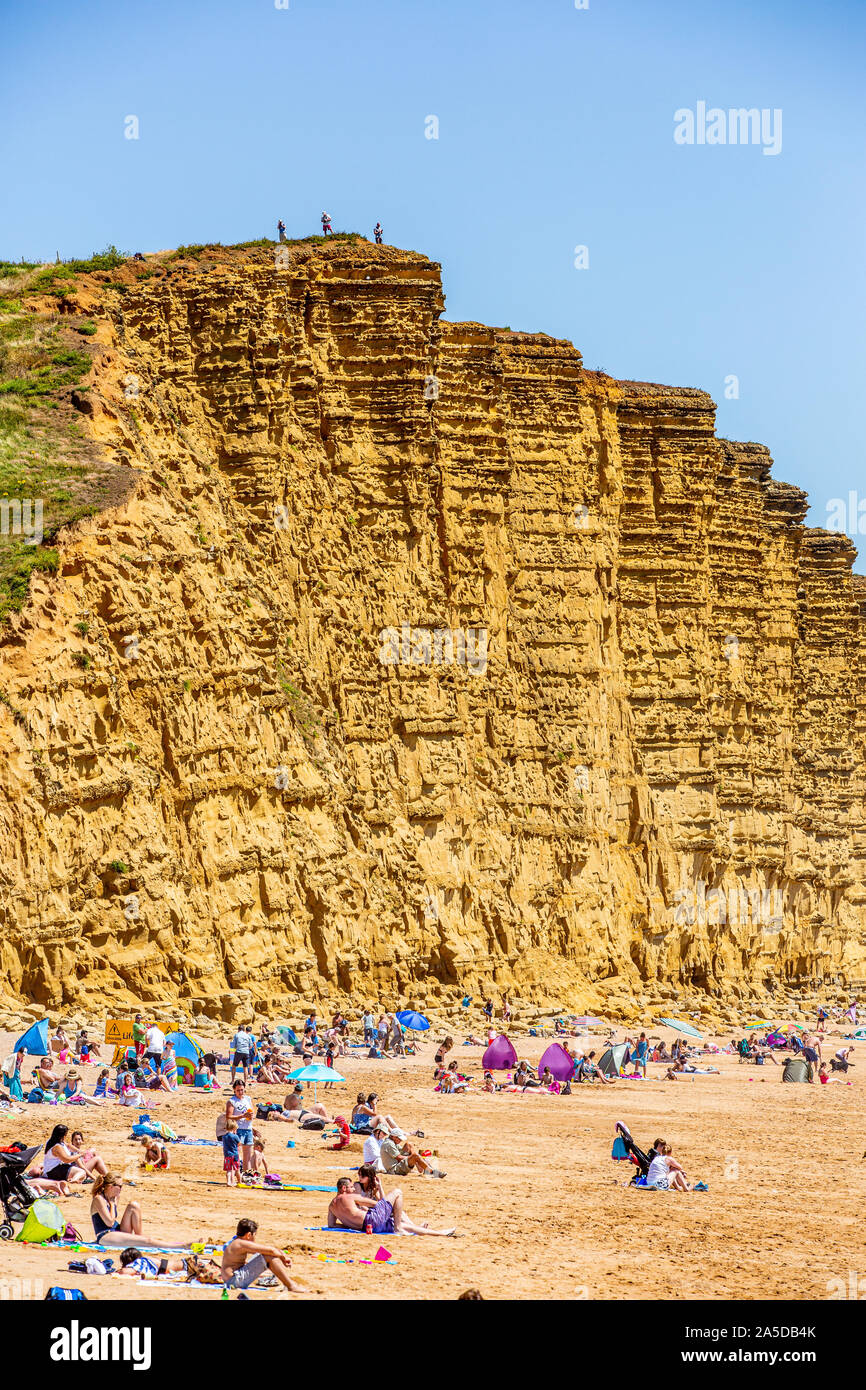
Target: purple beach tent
[560, 1062]
[500, 1055]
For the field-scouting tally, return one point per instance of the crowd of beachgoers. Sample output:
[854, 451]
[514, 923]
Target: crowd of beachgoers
[146, 1071]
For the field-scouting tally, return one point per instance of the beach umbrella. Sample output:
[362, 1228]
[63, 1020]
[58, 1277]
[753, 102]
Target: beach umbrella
[315, 1073]
[585, 1021]
[410, 1019]
[681, 1027]
[759, 1023]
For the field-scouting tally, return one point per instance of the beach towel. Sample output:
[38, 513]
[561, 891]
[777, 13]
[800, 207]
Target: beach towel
[269, 1187]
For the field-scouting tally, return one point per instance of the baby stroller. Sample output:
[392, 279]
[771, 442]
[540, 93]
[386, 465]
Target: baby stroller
[626, 1148]
[16, 1194]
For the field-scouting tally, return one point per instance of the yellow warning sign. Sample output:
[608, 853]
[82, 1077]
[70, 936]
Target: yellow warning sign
[119, 1030]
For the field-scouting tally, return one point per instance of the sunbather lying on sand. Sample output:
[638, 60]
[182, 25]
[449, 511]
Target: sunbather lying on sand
[683, 1068]
[382, 1217]
[134, 1263]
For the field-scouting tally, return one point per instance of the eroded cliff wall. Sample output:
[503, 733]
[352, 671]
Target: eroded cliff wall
[422, 658]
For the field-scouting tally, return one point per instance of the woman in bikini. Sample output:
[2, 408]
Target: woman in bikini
[108, 1228]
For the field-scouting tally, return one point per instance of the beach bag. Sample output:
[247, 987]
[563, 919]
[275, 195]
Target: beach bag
[36, 1096]
[43, 1221]
[313, 1122]
[58, 1295]
[619, 1149]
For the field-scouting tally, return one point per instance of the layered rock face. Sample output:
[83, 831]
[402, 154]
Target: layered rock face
[423, 659]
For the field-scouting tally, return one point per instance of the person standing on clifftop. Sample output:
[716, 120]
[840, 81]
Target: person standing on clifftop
[281, 229]
[378, 233]
[327, 229]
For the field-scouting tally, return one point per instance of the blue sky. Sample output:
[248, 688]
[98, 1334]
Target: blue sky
[555, 130]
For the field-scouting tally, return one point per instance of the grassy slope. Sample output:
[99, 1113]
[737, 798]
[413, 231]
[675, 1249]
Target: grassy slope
[44, 359]
[44, 452]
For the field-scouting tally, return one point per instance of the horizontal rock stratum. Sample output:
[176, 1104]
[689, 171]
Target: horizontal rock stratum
[421, 658]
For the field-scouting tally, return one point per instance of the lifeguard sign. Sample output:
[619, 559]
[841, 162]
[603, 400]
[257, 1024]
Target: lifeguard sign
[119, 1030]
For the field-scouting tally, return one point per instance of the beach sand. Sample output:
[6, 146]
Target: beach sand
[542, 1209]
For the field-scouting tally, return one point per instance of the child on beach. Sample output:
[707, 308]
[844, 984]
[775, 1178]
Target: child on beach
[101, 1087]
[344, 1134]
[231, 1153]
[259, 1159]
[155, 1152]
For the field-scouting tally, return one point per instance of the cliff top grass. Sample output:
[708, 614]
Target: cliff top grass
[50, 474]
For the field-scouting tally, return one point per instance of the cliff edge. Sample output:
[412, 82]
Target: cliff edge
[419, 658]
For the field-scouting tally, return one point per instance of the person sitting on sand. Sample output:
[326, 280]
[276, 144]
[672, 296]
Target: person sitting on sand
[85, 1050]
[397, 1158]
[245, 1260]
[524, 1077]
[369, 1183]
[129, 1092]
[272, 1070]
[73, 1093]
[547, 1078]
[155, 1152]
[451, 1081]
[382, 1217]
[371, 1111]
[664, 1171]
[47, 1078]
[363, 1114]
[154, 1078]
[62, 1163]
[108, 1228]
[489, 1084]
[101, 1088]
[88, 1159]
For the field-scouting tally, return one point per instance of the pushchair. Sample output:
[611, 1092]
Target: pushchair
[625, 1147]
[16, 1194]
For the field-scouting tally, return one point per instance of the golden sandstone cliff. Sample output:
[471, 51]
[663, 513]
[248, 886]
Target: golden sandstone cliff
[422, 659]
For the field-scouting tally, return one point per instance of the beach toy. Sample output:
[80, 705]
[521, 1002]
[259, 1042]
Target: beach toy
[290, 1144]
[382, 1254]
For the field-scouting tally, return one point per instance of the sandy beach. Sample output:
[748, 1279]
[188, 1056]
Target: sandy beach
[542, 1210]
